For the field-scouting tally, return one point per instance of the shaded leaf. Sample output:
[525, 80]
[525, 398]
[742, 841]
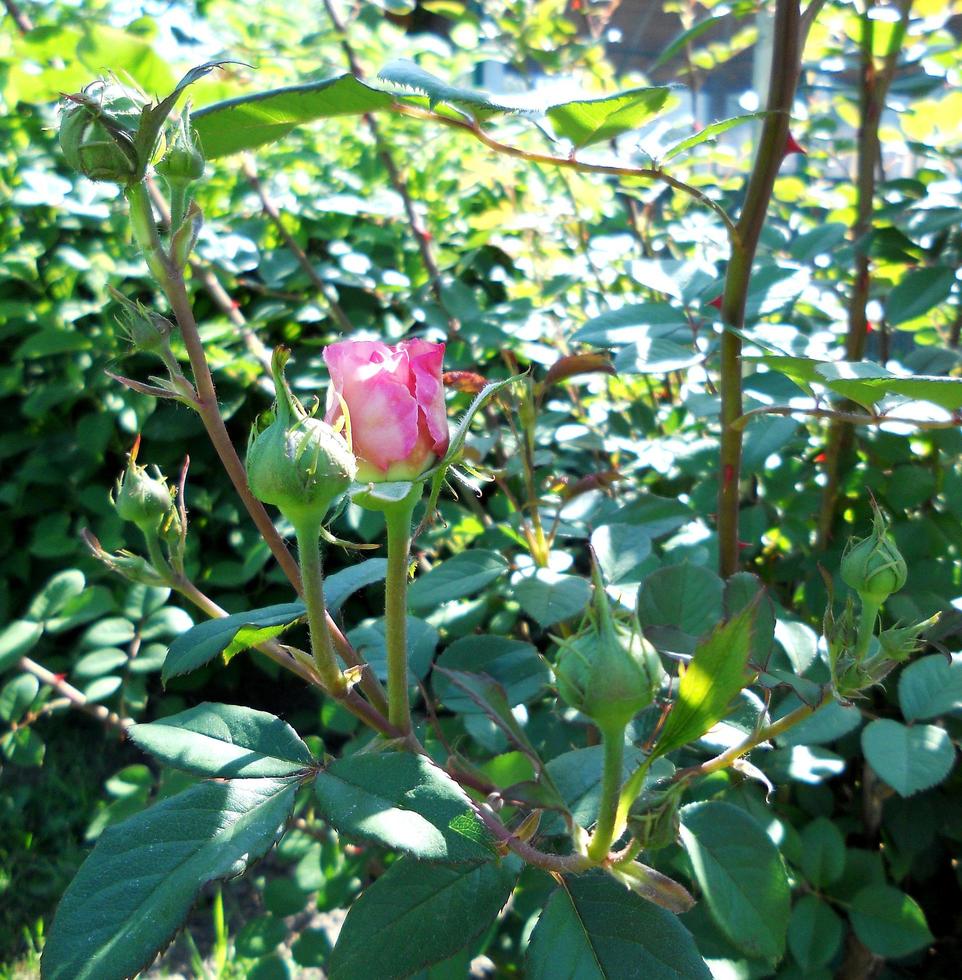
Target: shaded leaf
[417, 914]
[742, 876]
[593, 928]
[405, 802]
[140, 880]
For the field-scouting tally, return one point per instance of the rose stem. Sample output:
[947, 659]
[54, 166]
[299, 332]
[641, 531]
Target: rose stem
[613, 740]
[309, 553]
[397, 518]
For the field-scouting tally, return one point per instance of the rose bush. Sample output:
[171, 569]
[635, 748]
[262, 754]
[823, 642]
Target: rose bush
[394, 398]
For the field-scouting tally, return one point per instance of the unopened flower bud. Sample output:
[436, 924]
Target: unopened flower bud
[298, 463]
[140, 498]
[97, 131]
[147, 331]
[183, 163]
[873, 566]
[609, 671]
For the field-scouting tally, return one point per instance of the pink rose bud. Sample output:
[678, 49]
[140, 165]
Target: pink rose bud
[395, 401]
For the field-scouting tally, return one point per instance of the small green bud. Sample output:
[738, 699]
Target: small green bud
[298, 463]
[140, 498]
[97, 132]
[147, 331]
[183, 163]
[653, 819]
[873, 566]
[608, 671]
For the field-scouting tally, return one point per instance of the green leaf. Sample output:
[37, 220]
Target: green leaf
[52, 598]
[908, 759]
[405, 802]
[715, 674]
[419, 914]
[228, 635]
[409, 75]
[828, 724]
[709, 134]
[632, 323]
[490, 697]
[226, 741]
[587, 121]
[17, 639]
[139, 882]
[422, 639]
[680, 603]
[17, 696]
[931, 686]
[347, 581]
[741, 874]
[621, 550]
[23, 747]
[100, 662]
[577, 777]
[548, 597]
[250, 121]
[515, 665]
[889, 922]
[822, 855]
[814, 933]
[656, 355]
[260, 936]
[593, 928]
[457, 577]
[741, 591]
[918, 292]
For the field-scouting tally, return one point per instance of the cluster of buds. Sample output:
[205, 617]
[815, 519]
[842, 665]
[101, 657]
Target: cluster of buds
[873, 567]
[608, 670]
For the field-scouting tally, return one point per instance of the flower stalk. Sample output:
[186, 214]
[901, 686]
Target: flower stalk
[397, 519]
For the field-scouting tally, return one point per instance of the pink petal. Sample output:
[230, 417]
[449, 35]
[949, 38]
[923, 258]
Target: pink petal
[384, 419]
[426, 361]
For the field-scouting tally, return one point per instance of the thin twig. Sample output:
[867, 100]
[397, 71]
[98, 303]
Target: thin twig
[217, 293]
[849, 418]
[570, 163]
[270, 209]
[76, 698]
[421, 235]
[20, 18]
[765, 734]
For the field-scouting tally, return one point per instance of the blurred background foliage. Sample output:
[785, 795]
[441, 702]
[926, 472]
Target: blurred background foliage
[385, 226]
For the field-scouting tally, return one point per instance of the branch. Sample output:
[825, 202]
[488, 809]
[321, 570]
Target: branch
[76, 698]
[570, 163]
[269, 208]
[771, 151]
[20, 18]
[849, 418]
[765, 734]
[421, 235]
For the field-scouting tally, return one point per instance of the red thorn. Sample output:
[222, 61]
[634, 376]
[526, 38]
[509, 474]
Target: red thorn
[60, 677]
[793, 146]
[745, 544]
[716, 302]
[820, 458]
[869, 328]
[234, 305]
